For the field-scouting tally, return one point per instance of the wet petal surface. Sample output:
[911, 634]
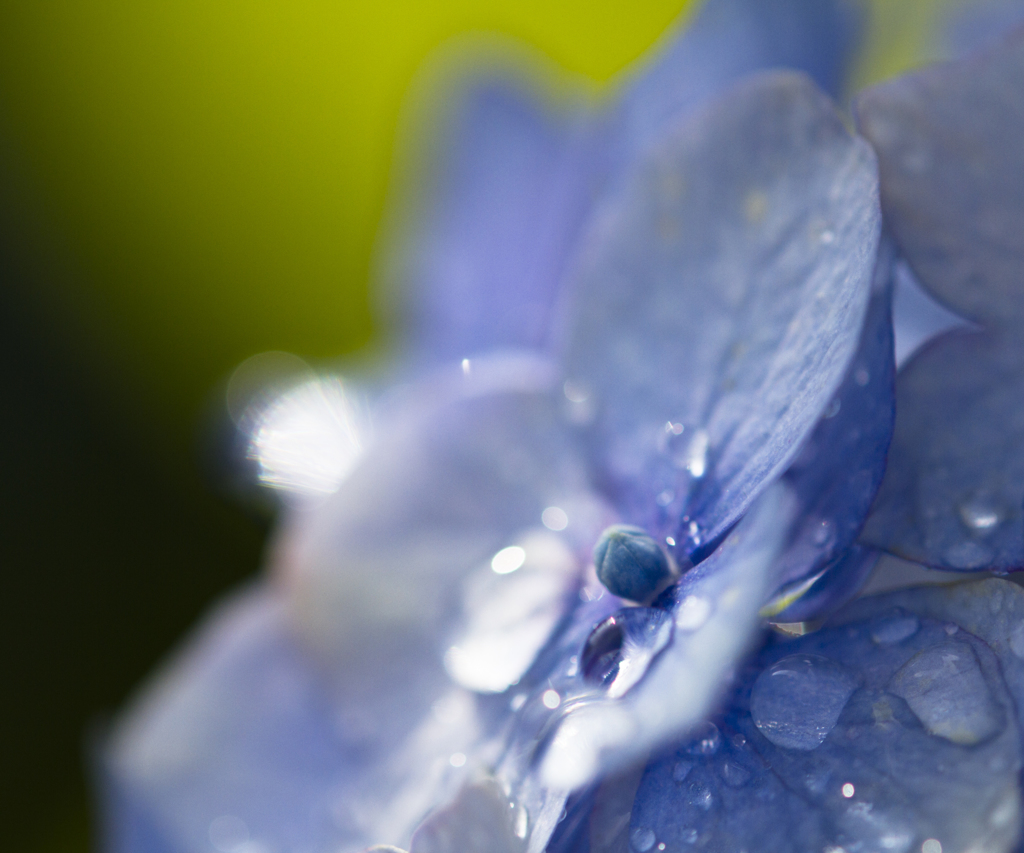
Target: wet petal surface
[867, 763]
[717, 302]
[953, 492]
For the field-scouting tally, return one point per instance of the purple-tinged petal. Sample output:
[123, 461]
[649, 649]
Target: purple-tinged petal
[483, 239]
[953, 492]
[952, 186]
[889, 727]
[841, 465]
[717, 303]
[728, 40]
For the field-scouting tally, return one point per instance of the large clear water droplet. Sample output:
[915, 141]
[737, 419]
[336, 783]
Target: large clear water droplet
[945, 688]
[510, 608]
[620, 649]
[796, 702]
[481, 819]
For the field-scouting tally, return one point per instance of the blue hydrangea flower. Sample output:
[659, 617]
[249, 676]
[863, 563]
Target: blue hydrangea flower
[663, 328]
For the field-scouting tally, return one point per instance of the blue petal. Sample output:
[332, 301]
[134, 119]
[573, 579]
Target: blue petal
[718, 301]
[888, 728]
[840, 467]
[726, 41]
[482, 241]
[237, 729]
[714, 619]
[951, 180]
[953, 492]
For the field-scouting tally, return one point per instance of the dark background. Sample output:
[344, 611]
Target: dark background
[183, 183]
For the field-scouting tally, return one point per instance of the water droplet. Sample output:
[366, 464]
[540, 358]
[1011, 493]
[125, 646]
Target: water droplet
[665, 498]
[946, 690]
[705, 740]
[681, 770]
[822, 533]
[551, 699]
[980, 516]
[520, 820]
[700, 795]
[931, 845]
[620, 649]
[692, 613]
[457, 759]
[894, 630]
[796, 702]
[228, 833]
[833, 408]
[670, 541]
[848, 790]
[661, 845]
[509, 609]
[554, 518]
[517, 701]
[507, 560]
[967, 555]
[828, 237]
[688, 836]
[575, 392]
[630, 562]
[861, 376]
[466, 367]
[696, 457]
[641, 839]
[673, 428]
[734, 775]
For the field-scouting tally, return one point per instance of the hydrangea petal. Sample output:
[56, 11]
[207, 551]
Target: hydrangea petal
[841, 465]
[715, 621]
[953, 492]
[726, 41]
[239, 727]
[718, 300]
[952, 188]
[881, 772]
[473, 264]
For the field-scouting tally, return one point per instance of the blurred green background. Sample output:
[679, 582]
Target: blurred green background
[182, 185]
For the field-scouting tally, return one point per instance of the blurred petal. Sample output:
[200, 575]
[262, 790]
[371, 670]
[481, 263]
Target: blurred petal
[916, 316]
[718, 301]
[236, 733]
[951, 180]
[888, 729]
[482, 243]
[954, 489]
[730, 39]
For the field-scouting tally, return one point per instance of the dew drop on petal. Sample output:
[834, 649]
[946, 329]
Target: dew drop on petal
[692, 613]
[700, 795]
[641, 840]
[796, 702]
[967, 555]
[554, 518]
[681, 770]
[705, 740]
[980, 516]
[551, 699]
[620, 649]
[945, 688]
[848, 790]
[734, 775]
[894, 630]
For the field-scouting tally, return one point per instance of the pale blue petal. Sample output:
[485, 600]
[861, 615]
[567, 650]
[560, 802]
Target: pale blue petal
[235, 734]
[954, 489]
[951, 180]
[717, 303]
[473, 263]
[891, 727]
